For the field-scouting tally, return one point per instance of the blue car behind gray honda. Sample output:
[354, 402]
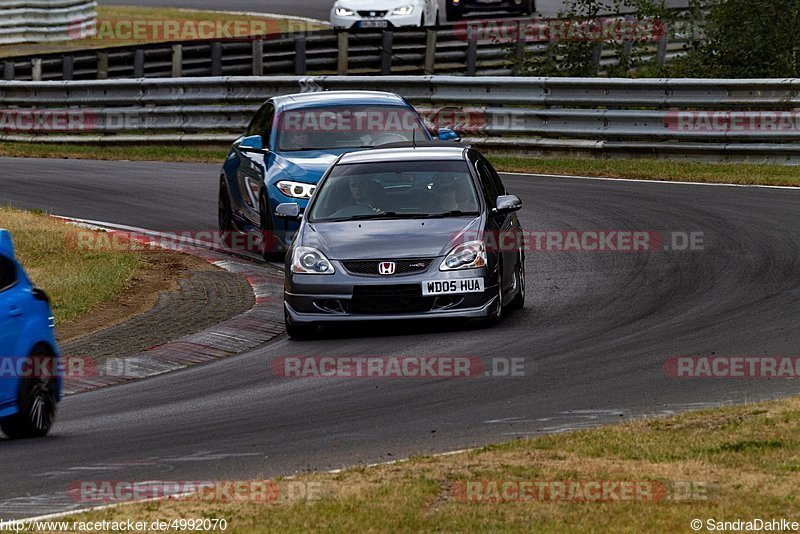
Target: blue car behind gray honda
[290, 143]
[404, 232]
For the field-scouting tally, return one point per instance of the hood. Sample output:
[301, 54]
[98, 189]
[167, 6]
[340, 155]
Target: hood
[309, 165]
[373, 5]
[387, 239]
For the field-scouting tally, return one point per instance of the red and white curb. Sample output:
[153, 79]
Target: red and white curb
[262, 323]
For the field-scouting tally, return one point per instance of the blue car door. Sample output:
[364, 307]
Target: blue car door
[252, 165]
[10, 324]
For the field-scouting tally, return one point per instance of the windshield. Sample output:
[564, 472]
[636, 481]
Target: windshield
[396, 190]
[332, 127]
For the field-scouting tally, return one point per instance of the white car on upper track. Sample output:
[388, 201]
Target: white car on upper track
[355, 14]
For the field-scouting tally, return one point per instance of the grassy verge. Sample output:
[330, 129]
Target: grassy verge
[115, 28]
[643, 169]
[655, 169]
[77, 281]
[726, 463]
[150, 152]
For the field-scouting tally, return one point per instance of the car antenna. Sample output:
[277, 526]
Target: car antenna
[414, 138]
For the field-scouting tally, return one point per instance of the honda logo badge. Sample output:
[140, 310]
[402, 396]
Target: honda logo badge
[387, 267]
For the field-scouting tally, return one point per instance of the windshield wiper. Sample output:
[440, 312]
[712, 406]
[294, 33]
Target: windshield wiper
[453, 213]
[379, 216]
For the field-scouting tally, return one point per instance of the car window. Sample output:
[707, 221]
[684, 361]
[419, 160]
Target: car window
[396, 189]
[352, 126]
[8, 273]
[262, 121]
[488, 184]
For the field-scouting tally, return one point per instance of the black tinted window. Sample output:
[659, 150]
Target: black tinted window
[8, 273]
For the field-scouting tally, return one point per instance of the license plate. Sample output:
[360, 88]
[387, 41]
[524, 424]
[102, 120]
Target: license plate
[451, 287]
[373, 23]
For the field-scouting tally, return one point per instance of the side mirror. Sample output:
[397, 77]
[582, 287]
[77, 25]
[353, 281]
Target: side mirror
[253, 143]
[288, 210]
[6, 244]
[507, 204]
[446, 134]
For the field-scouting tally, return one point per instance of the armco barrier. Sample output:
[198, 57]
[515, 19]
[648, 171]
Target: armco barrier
[440, 50]
[44, 20]
[602, 116]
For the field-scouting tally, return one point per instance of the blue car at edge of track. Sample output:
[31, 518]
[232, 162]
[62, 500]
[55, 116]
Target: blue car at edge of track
[30, 384]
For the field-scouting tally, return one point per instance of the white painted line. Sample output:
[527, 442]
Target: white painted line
[635, 180]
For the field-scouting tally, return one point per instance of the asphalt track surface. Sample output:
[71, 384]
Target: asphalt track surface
[594, 335]
[315, 9]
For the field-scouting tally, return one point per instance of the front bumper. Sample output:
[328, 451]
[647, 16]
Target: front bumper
[388, 21]
[342, 297]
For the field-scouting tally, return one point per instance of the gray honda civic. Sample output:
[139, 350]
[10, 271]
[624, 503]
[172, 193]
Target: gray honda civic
[406, 232]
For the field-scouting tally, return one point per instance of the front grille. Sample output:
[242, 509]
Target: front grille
[395, 298]
[394, 290]
[370, 267]
[373, 13]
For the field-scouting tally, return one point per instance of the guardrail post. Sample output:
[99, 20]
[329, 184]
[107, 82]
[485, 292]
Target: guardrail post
[661, 51]
[300, 56]
[216, 58]
[36, 69]
[138, 63]
[627, 46]
[343, 45]
[67, 68]
[177, 60]
[258, 57]
[102, 65]
[472, 55]
[597, 54]
[430, 51]
[8, 70]
[519, 47]
[387, 42]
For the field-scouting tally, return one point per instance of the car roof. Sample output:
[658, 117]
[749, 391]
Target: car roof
[426, 153]
[338, 98]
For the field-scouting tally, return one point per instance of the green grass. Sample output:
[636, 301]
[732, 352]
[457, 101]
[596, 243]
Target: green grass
[647, 169]
[76, 281]
[724, 463]
[655, 169]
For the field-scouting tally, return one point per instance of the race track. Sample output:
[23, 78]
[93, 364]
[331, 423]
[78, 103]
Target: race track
[594, 335]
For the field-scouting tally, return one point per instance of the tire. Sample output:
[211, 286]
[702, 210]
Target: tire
[298, 332]
[453, 13]
[225, 214]
[38, 399]
[269, 243]
[518, 302]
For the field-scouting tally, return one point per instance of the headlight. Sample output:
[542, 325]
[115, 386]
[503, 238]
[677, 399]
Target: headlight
[307, 260]
[344, 12]
[296, 189]
[470, 255]
[404, 10]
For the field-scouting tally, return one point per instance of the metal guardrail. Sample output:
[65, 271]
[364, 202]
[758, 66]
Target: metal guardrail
[601, 116]
[442, 50]
[24, 21]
